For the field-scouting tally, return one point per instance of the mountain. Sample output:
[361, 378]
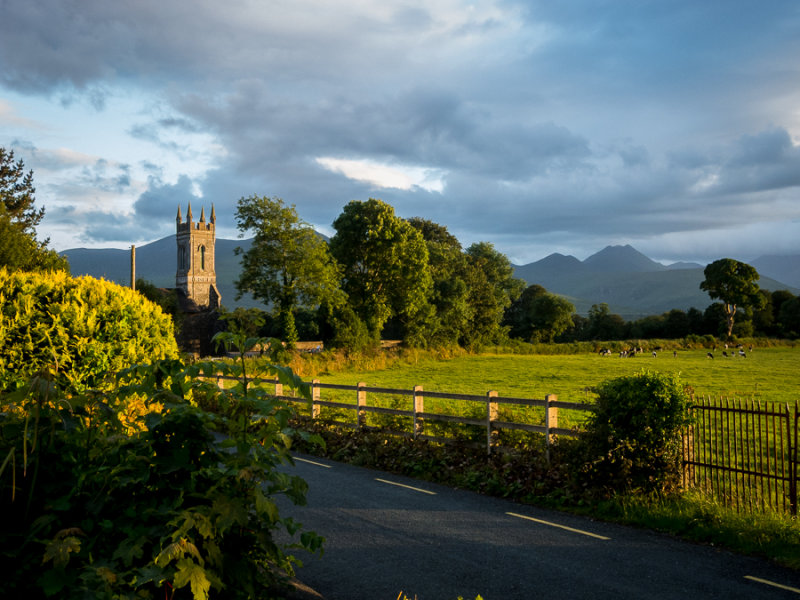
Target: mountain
[621, 259]
[685, 265]
[784, 268]
[157, 262]
[630, 283]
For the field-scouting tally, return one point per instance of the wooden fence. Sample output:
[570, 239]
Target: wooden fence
[741, 453]
[419, 420]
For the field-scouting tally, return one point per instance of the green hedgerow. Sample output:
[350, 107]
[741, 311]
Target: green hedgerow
[80, 327]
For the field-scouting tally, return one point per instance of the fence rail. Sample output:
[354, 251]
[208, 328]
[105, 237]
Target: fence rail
[742, 453]
[490, 404]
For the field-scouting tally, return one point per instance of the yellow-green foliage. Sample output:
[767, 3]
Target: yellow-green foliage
[80, 327]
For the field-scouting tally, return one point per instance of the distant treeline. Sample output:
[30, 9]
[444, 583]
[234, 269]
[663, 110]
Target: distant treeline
[384, 277]
[780, 318]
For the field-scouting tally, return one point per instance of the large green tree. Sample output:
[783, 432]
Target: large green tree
[734, 283]
[539, 316]
[449, 315]
[492, 287]
[605, 325]
[288, 264]
[384, 262]
[19, 248]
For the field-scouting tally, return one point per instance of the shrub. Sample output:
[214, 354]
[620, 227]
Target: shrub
[633, 439]
[88, 511]
[83, 327]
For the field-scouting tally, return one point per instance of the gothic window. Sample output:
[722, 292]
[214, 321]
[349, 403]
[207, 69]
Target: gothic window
[182, 257]
[202, 258]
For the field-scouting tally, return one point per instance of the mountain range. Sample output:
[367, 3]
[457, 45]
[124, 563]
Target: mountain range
[632, 284]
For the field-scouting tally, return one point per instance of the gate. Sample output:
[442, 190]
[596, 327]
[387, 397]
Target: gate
[743, 454]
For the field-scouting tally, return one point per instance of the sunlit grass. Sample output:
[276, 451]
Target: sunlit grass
[768, 374]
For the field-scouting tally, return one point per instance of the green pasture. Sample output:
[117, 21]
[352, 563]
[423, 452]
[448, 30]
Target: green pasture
[766, 374]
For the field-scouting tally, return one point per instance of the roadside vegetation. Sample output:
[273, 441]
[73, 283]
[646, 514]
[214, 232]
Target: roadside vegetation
[127, 472]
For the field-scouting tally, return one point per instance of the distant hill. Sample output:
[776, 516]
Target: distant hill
[630, 283]
[157, 263]
[783, 268]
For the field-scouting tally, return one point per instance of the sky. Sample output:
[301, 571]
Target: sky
[538, 126]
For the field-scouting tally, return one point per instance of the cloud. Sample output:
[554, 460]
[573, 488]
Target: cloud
[385, 176]
[532, 124]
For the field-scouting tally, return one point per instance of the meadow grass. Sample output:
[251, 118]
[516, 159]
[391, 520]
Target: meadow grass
[768, 374]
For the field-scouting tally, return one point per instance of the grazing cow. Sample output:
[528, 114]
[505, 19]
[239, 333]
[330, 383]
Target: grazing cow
[654, 353]
[674, 354]
[742, 354]
[725, 354]
[709, 355]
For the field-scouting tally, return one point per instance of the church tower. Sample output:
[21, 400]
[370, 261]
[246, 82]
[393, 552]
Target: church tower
[196, 275]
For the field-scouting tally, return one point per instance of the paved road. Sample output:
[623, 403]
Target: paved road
[435, 543]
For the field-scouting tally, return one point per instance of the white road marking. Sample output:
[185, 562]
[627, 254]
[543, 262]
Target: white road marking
[406, 486]
[772, 583]
[311, 462]
[594, 535]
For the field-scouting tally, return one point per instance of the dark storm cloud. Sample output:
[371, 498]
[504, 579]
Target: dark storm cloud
[765, 161]
[160, 202]
[583, 119]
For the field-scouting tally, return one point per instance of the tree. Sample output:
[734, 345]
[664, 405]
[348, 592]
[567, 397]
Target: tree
[605, 325]
[779, 297]
[539, 316]
[789, 317]
[384, 261]
[17, 193]
[449, 293]
[492, 288]
[734, 283]
[288, 264]
[19, 249]
[764, 317]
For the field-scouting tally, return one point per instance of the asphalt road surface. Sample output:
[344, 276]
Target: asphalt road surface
[387, 534]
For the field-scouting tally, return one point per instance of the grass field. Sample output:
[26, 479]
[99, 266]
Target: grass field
[768, 374]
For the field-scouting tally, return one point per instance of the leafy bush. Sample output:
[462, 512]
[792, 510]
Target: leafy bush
[82, 327]
[174, 510]
[633, 438]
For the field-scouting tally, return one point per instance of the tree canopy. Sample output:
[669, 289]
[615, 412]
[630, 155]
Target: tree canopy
[19, 248]
[491, 289]
[17, 193]
[384, 261]
[539, 316]
[734, 283]
[288, 264]
[449, 315]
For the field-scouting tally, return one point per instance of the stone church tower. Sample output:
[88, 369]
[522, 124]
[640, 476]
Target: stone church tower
[196, 276]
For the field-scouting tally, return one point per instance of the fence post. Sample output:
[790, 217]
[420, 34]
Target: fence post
[361, 400]
[491, 415]
[418, 409]
[278, 388]
[550, 421]
[315, 398]
[791, 420]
